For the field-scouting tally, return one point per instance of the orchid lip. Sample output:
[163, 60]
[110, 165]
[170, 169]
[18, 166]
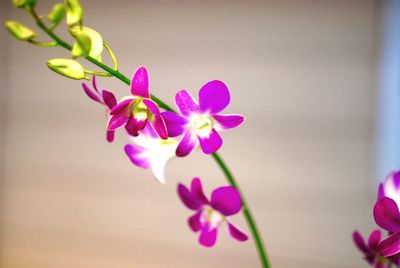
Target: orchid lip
[211, 216]
[202, 124]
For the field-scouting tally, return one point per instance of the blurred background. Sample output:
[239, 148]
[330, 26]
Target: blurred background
[317, 81]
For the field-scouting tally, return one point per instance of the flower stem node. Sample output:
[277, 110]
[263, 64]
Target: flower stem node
[67, 67]
[74, 12]
[20, 31]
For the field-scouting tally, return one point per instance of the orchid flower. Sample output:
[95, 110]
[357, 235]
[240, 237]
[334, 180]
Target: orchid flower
[149, 150]
[209, 216]
[369, 249]
[103, 97]
[201, 122]
[387, 214]
[136, 110]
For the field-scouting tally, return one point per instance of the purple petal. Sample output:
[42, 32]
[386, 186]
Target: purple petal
[109, 99]
[228, 121]
[94, 83]
[187, 198]
[90, 93]
[175, 123]
[359, 241]
[226, 200]
[390, 246]
[391, 185]
[148, 130]
[236, 232]
[194, 222]
[152, 106]
[110, 135]
[160, 127]
[214, 97]
[185, 102]
[117, 121]
[120, 106]
[374, 239]
[133, 126]
[140, 83]
[135, 155]
[212, 143]
[197, 191]
[208, 236]
[186, 145]
[381, 192]
[386, 214]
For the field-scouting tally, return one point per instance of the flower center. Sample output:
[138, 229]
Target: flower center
[213, 217]
[202, 124]
[139, 111]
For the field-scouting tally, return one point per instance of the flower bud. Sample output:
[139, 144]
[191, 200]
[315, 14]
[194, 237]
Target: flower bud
[19, 31]
[88, 42]
[57, 13]
[74, 12]
[67, 67]
[23, 3]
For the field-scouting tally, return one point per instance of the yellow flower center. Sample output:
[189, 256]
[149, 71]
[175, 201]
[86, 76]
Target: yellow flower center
[202, 124]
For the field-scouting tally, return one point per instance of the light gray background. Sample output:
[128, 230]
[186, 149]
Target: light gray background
[302, 72]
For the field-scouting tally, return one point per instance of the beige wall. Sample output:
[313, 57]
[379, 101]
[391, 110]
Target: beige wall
[303, 72]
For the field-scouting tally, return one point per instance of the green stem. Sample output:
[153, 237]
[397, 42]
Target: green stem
[246, 211]
[228, 174]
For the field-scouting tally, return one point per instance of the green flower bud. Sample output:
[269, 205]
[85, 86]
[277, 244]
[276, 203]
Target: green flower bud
[24, 3]
[74, 12]
[88, 42]
[67, 67]
[57, 13]
[19, 31]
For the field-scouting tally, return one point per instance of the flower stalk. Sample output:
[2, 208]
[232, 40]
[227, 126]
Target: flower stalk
[114, 72]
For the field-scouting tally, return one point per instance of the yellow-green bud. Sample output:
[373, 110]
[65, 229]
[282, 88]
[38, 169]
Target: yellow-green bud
[88, 42]
[74, 12]
[57, 13]
[20, 31]
[67, 67]
[23, 3]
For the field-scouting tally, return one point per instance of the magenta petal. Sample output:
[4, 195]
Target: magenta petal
[140, 83]
[133, 126]
[117, 121]
[152, 106]
[236, 232]
[390, 246]
[374, 239]
[185, 102]
[187, 198]
[212, 143]
[186, 145]
[94, 83]
[194, 222]
[90, 93]
[110, 135]
[359, 241]
[159, 126]
[135, 155]
[208, 236]
[197, 191]
[226, 200]
[214, 97]
[228, 121]
[386, 214]
[109, 99]
[175, 123]
[120, 106]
